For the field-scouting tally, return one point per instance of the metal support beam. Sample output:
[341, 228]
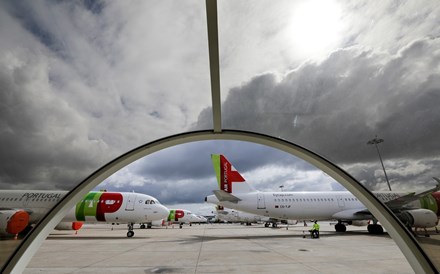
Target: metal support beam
[214, 63]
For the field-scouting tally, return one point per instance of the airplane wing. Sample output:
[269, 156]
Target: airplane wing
[401, 201]
[353, 214]
[224, 196]
[395, 205]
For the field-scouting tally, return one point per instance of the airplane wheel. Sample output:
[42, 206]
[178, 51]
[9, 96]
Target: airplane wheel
[340, 227]
[142, 226]
[375, 229]
[148, 226]
[266, 225]
[379, 229]
[130, 234]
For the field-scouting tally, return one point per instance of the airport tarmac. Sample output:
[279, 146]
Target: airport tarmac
[217, 248]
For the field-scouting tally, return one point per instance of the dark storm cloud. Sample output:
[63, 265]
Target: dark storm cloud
[193, 160]
[184, 173]
[50, 146]
[83, 82]
[79, 85]
[336, 106]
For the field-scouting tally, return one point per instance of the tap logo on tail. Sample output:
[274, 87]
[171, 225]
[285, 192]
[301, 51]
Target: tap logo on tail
[225, 172]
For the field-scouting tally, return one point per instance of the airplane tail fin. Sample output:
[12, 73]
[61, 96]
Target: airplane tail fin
[228, 178]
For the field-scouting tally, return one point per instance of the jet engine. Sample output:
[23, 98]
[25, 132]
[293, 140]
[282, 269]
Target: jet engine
[13, 222]
[419, 218]
[69, 226]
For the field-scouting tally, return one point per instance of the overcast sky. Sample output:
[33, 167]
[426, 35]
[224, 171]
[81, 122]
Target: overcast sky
[82, 82]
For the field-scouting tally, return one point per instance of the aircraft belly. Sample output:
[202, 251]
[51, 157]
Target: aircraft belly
[126, 216]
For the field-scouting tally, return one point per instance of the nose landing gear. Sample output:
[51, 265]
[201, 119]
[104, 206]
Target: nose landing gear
[130, 232]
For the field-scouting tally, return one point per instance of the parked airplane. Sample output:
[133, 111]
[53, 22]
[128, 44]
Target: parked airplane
[419, 210]
[237, 216]
[21, 208]
[202, 219]
[176, 216]
[181, 216]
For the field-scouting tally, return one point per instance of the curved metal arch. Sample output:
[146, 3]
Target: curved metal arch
[403, 238]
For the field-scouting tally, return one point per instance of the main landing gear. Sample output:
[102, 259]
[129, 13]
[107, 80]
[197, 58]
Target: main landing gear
[130, 232]
[372, 228]
[274, 224]
[375, 228]
[340, 227]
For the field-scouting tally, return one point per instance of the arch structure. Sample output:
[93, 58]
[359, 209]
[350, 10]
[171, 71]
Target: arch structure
[409, 246]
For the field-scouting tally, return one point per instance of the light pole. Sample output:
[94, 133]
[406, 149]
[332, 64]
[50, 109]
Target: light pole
[375, 142]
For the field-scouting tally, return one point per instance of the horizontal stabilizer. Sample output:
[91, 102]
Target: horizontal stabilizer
[223, 196]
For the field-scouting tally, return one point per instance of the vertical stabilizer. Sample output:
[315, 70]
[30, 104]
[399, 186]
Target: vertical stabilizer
[228, 178]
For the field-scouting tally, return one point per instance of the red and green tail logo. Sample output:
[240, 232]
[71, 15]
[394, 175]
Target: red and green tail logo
[175, 215]
[96, 204]
[225, 172]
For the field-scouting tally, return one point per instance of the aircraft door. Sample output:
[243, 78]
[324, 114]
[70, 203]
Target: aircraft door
[341, 203]
[261, 204]
[130, 202]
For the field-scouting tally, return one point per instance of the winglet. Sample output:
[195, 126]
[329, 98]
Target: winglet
[223, 196]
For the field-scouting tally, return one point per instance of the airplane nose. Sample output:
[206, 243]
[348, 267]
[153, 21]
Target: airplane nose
[164, 212]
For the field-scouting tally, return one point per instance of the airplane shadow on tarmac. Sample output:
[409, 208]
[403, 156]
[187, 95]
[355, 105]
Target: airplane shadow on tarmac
[76, 238]
[325, 234]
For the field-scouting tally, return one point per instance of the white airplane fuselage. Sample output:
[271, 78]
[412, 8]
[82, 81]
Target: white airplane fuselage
[299, 205]
[121, 207]
[413, 209]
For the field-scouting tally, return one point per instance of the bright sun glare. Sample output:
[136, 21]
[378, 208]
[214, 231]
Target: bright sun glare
[315, 28]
